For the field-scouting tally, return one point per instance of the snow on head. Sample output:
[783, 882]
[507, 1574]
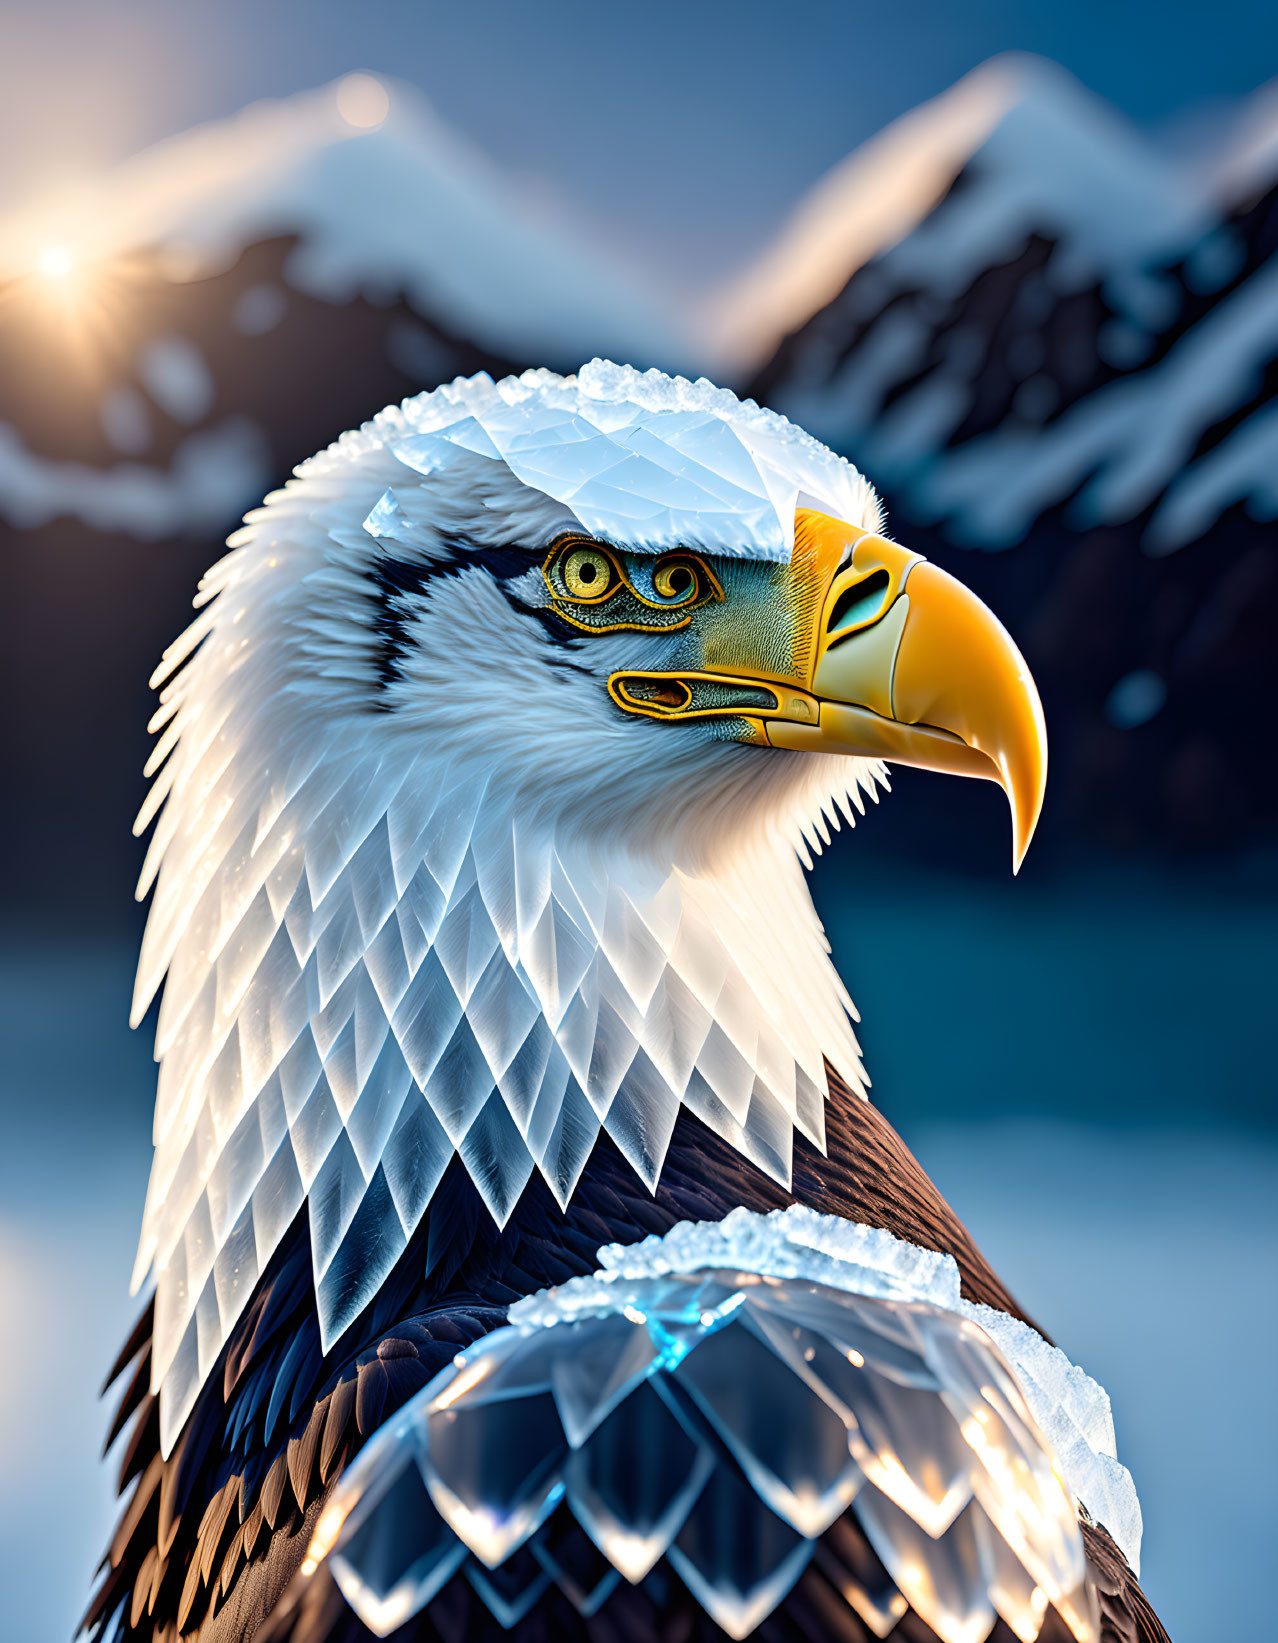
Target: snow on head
[640, 459]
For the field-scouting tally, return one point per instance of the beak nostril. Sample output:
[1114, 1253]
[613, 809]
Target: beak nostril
[860, 603]
[667, 693]
[690, 695]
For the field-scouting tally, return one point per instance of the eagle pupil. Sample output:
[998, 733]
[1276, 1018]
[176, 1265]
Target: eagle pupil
[588, 573]
[680, 579]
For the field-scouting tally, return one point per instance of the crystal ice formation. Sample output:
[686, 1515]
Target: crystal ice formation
[742, 1430]
[644, 460]
[1071, 1409]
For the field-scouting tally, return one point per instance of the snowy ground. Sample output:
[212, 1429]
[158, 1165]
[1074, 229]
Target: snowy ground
[1149, 1252]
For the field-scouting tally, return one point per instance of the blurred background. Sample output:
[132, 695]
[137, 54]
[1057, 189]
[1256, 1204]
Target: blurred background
[1017, 261]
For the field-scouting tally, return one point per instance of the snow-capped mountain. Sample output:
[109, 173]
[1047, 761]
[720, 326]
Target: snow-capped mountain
[385, 200]
[1059, 342]
[1035, 151]
[1066, 324]
[185, 329]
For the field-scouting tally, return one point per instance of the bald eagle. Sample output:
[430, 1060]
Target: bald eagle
[492, 1289]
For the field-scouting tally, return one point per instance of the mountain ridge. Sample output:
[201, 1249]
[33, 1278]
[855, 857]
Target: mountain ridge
[384, 198]
[1014, 110]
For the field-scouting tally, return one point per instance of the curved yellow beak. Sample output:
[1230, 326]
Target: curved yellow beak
[894, 659]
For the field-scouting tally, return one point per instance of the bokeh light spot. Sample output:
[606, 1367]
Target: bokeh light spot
[1135, 699]
[362, 101]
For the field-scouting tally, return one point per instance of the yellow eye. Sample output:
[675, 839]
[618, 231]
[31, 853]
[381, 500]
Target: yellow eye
[588, 573]
[676, 580]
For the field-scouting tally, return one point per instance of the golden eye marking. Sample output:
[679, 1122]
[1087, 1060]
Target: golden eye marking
[583, 575]
[682, 579]
[675, 581]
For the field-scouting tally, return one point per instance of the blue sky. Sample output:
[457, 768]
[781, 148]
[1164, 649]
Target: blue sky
[688, 125]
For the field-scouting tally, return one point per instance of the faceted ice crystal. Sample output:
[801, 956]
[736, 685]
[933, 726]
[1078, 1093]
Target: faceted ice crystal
[494, 1472]
[1015, 1594]
[849, 1563]
[943, 1579]
[908, 1445]
[791, 1445]
[601, 1365]
[736, 1557]
[389, 523]
[719, 1424]
[868, 1262]
[576, 1565]
[633, 1484]
[512, 1589]
[395, 1553]
[631, 464]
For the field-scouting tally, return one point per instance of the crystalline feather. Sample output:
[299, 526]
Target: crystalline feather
[351, 917]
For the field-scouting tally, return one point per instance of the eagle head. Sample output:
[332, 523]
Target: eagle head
[484, 778]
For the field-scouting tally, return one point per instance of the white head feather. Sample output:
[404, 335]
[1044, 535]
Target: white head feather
[461, 904]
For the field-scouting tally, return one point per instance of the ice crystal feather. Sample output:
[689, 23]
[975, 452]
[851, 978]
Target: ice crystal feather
[459, 908]
[735, 1401]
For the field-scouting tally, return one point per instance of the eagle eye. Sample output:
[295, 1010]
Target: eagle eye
[589, 573]
[592, 586]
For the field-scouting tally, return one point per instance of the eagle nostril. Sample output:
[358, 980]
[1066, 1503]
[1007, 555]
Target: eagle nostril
[673, 695]
[860, 603]
[658, 692]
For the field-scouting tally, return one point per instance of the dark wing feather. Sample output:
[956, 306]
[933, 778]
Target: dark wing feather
[1126, 1615]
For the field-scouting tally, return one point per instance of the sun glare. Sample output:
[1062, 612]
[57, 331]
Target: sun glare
[85, 305]
[55, 262]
